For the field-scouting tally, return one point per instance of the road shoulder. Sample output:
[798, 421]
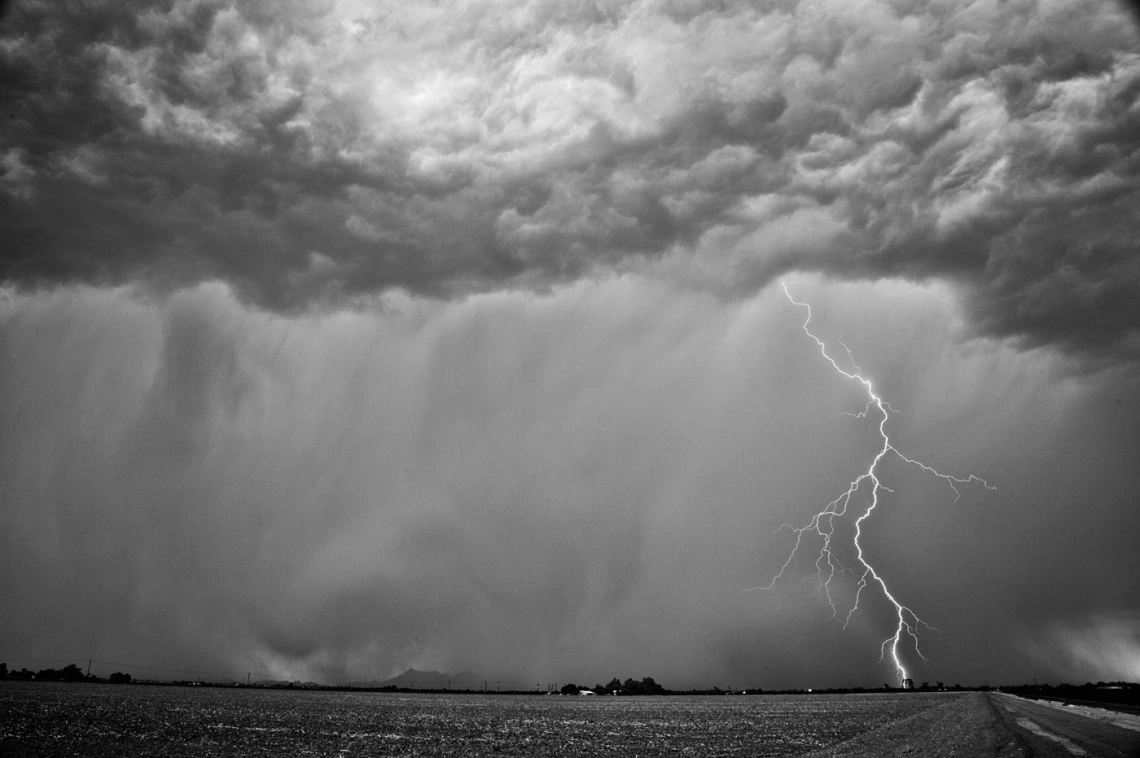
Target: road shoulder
[967, 725]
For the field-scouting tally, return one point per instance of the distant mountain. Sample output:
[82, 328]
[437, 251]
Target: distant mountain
[433, 680]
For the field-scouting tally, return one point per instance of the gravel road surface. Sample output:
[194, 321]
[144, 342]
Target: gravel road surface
[980, 725]
[1051, 730]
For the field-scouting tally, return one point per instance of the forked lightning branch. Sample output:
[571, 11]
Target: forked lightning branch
[823, 523]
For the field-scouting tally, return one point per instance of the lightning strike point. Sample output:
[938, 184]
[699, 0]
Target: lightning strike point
[908, 624]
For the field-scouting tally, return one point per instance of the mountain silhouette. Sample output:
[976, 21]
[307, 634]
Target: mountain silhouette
[434, 680]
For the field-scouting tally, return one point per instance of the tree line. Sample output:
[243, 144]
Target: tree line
[617, 687]
[69, 673]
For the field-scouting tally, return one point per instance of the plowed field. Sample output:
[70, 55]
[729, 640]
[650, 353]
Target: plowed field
[138, 720]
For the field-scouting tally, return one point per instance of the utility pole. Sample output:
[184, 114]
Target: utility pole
[247, 678]
[88, 674]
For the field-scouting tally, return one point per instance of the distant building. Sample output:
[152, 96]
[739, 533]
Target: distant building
[586, 692]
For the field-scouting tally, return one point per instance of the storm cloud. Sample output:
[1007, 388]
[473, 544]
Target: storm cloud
[529, 484]
[340, 338]
[311, 151]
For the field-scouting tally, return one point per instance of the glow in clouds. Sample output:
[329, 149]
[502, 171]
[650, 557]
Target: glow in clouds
[823, 522]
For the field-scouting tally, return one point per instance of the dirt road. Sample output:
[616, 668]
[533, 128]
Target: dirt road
[979, 725]
[1057, 731]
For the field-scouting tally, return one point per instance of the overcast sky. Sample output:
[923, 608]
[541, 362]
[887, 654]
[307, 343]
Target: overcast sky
[343, 337]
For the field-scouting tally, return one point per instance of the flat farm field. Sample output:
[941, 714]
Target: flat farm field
[138, 720]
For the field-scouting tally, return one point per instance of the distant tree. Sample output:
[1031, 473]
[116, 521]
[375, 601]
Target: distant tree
[23, 675]
[650, 687]
[3, 670]
[120, 678]
[925, 686]
[940, 685]
[631, 687]
[69, 673]
[570, 689]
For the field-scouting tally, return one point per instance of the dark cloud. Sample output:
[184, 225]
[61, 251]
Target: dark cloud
[992, 145]
[341, 339]
[310, 153]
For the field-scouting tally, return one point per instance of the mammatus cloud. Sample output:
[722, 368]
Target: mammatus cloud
[311, 152]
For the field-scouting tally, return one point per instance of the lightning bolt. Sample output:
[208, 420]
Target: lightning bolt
[823, 523]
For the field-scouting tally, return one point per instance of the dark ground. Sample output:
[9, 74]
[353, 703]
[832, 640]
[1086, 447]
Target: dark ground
[56, 719]
[134, 720]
